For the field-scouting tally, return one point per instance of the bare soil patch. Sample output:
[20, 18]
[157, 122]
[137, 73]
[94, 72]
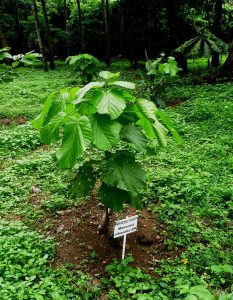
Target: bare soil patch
[175, 102]
[79, 243]
[19, 120]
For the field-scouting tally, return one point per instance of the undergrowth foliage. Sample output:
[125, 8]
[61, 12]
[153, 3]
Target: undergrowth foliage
[190, 192]
[25, 272]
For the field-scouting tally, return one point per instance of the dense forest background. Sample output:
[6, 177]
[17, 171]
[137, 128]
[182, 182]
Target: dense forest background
[110, 28]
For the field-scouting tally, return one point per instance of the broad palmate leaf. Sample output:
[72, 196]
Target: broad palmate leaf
[112, 197]
[84, 181]
[146, 111]
[124, 173]
[112, 102]
[135, 136]
[77, 136]
[106, 132]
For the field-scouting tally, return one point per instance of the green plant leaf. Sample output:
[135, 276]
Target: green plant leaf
[112, 103]
[106, 132]
[112, 197]
[135, 136]
[50, 133]
[201, 292]
[146, 111]
[77, 136]
[84, 181]
[81, 93]
[38, 122]
[167, 121]
[122, 172]
[108, 75]
[191, 297]
[125, 84]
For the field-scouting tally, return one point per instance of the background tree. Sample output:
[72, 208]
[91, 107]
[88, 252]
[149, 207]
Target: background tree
[48, 34]
[39, 34]
[106, 18]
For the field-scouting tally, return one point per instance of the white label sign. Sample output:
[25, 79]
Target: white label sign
[125, 226]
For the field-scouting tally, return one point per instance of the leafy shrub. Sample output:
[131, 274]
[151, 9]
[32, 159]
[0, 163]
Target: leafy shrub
[102, 115]
[86, 66]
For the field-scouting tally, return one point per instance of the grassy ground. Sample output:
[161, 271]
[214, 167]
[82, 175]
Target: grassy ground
[190, 191]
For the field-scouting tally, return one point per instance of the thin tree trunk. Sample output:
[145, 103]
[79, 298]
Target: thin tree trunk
[217, 29]
[227, 67]
[48, 33]
[66, 30]
[121, 17]
[218, 18]
[39, 34]
[3, 40]
[17, 27]
[80, 24]
[105, 5]
[226, 70]
[103, 227]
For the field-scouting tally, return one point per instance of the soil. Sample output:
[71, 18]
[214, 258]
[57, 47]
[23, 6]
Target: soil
[175, 102]
[20, 120]
[79, 243]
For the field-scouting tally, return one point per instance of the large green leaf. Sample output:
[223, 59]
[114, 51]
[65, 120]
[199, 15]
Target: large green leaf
[201, 292]
[108, 75]
[146, 111]
[77, 135]
[50, 133]
[38, 122]
[169, 124]
[81, 93]
[135, 136]
[191, 297]
[84, 181]
[112, 103]
[124, 173]
[112, 197]
[125, 84]
[89, 104]
[106, 132]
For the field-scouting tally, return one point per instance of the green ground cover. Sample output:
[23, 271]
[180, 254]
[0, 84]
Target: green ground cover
[190, 190]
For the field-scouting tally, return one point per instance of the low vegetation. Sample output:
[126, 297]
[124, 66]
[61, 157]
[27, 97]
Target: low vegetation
[189, 192]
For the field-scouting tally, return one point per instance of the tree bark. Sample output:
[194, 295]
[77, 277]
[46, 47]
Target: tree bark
[39, 34]
[19, 47]
[48, 33]
[3, 40]
[226, 70]
[105, 5]
[215, 60]
[217, 29]
[80, 25]
[66, 30]
[218, 18]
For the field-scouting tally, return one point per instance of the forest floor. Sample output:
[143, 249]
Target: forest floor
[49, 246]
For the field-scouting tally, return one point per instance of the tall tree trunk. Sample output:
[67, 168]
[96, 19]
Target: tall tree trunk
[39, 34]
[121, 31]
[49, 35]
[172, 10]
[218, 18]
[105, 5]
[3, 40]
[80, 24]
[17, 28]
[66, 29]
[217, 29]
[226, 70]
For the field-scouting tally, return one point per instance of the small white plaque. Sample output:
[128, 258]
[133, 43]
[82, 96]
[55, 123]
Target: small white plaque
[125, 226]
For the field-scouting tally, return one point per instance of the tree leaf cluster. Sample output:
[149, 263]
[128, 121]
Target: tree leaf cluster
[103, 115]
